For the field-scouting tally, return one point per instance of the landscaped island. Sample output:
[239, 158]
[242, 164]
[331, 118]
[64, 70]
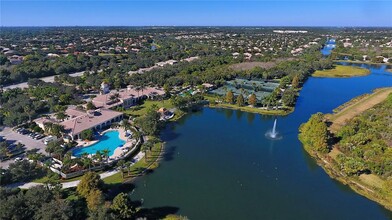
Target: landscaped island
[354, 145]
[342, 71]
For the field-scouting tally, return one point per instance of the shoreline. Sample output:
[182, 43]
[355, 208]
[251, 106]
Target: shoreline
[254, 110]
[356, 185]
[361, 62]
[328, 161]
[342, 71]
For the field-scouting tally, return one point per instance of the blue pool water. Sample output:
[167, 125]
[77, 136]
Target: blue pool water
[110, 140]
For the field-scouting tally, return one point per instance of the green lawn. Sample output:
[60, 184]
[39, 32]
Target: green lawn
[342, 71]
[142, 109]
[212, 99]
[114, 179]
[137, 168]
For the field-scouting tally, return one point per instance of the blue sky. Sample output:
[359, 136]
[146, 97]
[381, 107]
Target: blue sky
[190, 13]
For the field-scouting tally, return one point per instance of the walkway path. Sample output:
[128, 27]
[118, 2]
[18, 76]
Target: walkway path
[72, 184]
[339, 119]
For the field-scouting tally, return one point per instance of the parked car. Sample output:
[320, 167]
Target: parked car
[40, 136]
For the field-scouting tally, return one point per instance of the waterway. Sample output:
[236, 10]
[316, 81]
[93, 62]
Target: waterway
[220, 165]
[330, 44]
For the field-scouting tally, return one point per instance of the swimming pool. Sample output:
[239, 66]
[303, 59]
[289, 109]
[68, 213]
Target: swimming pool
[109, 140]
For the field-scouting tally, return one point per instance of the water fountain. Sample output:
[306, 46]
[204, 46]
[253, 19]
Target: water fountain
[273, 134]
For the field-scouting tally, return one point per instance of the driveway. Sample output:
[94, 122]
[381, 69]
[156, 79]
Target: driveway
[29, 143]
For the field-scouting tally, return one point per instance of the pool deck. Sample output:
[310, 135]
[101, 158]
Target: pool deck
[119, 151]
[128, 146]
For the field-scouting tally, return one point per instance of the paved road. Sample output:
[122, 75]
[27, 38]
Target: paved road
[45, 79]
[29, 143]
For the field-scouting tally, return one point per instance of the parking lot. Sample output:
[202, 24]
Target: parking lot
[29, 143]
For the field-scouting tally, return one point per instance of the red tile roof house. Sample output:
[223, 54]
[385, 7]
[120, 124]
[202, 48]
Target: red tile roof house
[93, 119]
[126, 97]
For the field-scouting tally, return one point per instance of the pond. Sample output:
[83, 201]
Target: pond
[220, 165]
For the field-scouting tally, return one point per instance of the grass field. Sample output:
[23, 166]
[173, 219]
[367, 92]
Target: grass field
[142, 109]
[357, 107]
[342, 71]
[139, 167]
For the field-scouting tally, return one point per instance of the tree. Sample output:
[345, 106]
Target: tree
[14, 207]
[54, 129]
[3, 60]
[295, 82]
[314, 134]
[36, 196]
[54, 147]
[125, 124]
[252, 100]
[90, 181]
[98, 156]
[87, 134]
[24, 171]
[90, 106]
[94, 200]
[240, 100]
[61, 116]
[149, 123]
[145, 148]
[55, 209]
[230, 97]
[29, 111]
[167, 90]
[122, 206]
[87, 162]
[105, 153]
[289, 97]
[351, 166]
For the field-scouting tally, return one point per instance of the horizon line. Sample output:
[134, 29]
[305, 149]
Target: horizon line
[293, 26]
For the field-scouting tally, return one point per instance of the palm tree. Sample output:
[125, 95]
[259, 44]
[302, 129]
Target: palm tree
[67, 159]
[98, 156]
[137, 135]
[145, 148]
[125, 124]
[142, 87]
[86, 161]
[128, 167]
[137, 90]
[61, 116]
[105, 153]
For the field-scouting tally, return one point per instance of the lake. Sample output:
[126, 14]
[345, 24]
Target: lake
[219, 164]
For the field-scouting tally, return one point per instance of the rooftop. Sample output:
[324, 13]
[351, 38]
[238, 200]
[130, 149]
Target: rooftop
[87, 120]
